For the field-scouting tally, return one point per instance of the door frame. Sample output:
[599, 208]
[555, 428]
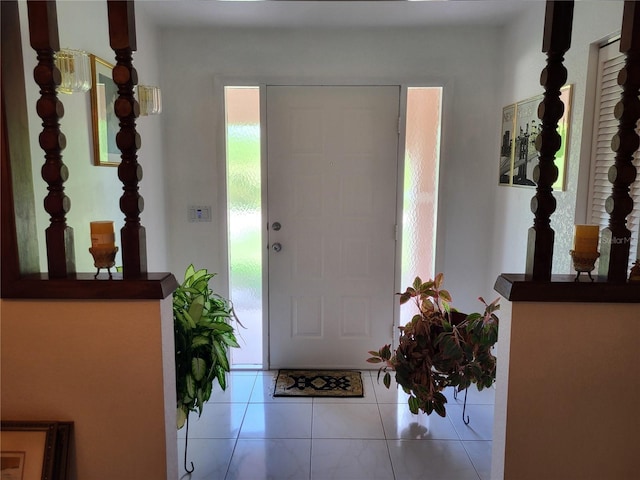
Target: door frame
[219, 82]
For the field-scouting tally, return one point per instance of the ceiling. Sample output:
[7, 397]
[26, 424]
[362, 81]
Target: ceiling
[328, 13]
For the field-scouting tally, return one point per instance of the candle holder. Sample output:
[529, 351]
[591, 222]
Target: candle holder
[634, 275]
[103, 258]
[584, 262]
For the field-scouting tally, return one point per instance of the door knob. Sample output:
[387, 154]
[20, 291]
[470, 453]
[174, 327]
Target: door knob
[276, 247]
[276, 226]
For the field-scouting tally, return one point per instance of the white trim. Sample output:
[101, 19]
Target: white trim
[265, 234]
[220, 82]
[402, 136]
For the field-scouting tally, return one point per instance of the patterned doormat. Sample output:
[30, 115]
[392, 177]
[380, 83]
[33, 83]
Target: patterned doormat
[318, 383]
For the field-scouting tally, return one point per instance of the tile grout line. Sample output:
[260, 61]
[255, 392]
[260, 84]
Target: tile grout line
[313, 403]
[235, 444]
[471, 459]
[237, 438]
[384, 430]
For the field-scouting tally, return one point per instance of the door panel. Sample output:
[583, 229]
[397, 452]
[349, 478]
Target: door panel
[331, 173]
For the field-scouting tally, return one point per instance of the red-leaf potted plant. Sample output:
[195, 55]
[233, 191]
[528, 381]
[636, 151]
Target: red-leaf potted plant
[439, 348]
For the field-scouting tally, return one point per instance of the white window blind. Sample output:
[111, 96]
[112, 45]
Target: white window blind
[610, 62]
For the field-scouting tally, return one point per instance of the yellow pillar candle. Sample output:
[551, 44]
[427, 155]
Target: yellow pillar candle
[585, 239]
[103, 235]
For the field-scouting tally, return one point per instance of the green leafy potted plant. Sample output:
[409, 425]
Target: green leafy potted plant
[440, 348]
[203, 334]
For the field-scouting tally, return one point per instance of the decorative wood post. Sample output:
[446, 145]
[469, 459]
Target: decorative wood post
[122, 37]
[556, 41]
[616, 237]
[43, 32]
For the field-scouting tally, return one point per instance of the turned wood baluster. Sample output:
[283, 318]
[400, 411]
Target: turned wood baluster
[122, 36]
[556, 41]
[43, 33]
[616, 237]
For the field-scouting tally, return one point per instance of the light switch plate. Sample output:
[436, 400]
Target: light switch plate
[199, 213]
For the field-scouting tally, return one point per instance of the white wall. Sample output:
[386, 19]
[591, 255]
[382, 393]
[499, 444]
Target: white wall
[483, 227]
[95, 191]
[196, 63]
[523, 62]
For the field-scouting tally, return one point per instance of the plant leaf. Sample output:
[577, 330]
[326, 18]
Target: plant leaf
[385, 352]
[196, 275]
[191, 385]
[439, 408]
[404, 298]
[219, 327]
[181, 417]
[200, 400]
[198, 368]
[189, 272]
[445, 295]
[177, 314]
[207, 391]
[189, 320]
[222, 377]
[199, 341]
[230, 340]
[221, 355]
[196, 307]
[414, 404]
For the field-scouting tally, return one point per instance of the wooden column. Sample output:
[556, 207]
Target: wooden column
[556, 41]
[616, 237]
[122, 37]
[16, 176]
[43, 32]
[20, 276]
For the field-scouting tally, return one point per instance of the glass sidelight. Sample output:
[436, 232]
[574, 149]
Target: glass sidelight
[242, 125]
[420, 193]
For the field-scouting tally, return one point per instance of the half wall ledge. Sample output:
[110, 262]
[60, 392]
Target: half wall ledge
[563, 288]
[84, 286]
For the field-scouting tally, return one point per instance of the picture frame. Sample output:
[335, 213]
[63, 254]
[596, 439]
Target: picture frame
[34, 450]
[527, 128]
[104, 122]
[518, 140]
[507, 145]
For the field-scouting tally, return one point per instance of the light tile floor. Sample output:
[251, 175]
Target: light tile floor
[247, 434]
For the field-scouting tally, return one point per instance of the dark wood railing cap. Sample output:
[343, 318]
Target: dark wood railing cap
[150, 286]
[563, 288]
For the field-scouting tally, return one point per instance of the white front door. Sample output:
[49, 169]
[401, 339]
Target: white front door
[331, 177]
